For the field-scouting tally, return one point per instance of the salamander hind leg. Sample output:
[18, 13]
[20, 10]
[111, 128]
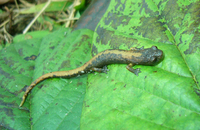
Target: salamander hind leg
[101, 70]
[135, 71]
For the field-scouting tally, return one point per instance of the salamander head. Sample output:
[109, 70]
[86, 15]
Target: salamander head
[152, 56]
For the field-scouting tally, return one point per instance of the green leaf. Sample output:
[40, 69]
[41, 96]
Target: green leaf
[54, 6]
[16, 71]
[30, 35]
[165, 96]
[57, 102]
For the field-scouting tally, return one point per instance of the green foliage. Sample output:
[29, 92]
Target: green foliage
[165, 96]
[54, 6]
[59, 102]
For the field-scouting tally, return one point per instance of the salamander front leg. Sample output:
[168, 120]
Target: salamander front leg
[101, 70]
[135, 71]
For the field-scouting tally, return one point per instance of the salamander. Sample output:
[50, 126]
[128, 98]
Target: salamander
[134, 56]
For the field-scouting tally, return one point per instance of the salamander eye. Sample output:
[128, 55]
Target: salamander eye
[154, 48]
[153, 59]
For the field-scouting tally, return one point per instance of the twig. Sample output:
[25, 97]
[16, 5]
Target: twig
[17, 4]
[26, 3]
[6, 21]
[64, 20]
[32, 22]
[7, 36]
[72, 11]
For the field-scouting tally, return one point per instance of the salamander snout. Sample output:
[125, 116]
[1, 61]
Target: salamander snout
[157, 55]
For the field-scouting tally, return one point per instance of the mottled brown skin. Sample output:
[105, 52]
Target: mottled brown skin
[135, 56]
